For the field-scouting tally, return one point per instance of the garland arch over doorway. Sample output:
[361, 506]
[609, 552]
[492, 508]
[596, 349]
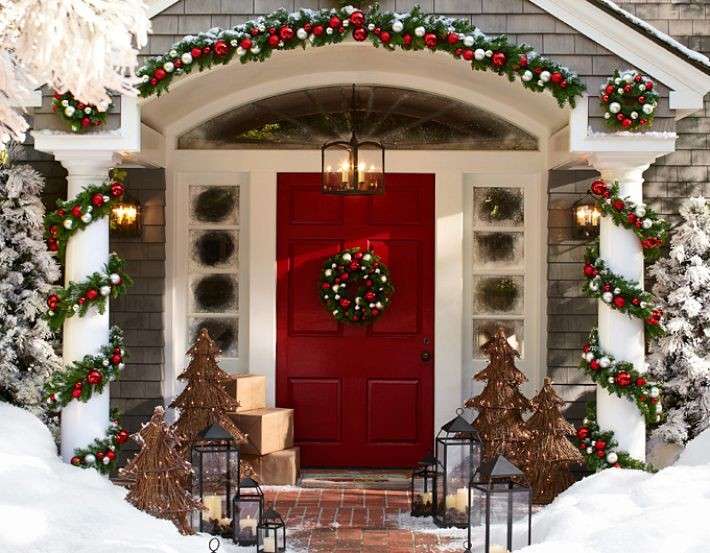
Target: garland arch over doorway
[256, 40]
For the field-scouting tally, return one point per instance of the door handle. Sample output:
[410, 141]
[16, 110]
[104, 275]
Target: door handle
[425, 356]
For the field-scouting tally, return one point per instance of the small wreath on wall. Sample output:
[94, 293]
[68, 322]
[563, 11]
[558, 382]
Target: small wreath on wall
[629, 101]
[78, 116]
[355, 286]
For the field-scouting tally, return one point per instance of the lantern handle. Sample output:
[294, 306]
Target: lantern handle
[216, 546]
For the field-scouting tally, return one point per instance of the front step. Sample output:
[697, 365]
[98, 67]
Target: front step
[348, 479]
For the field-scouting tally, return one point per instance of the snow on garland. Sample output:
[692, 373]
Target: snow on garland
[83, 378]
[355, 287]
[77, 115]
[629, 100]
[619, 293]
[92, 203]
[620, 378]
[600, 448]
[256, 40]
[648, 226]
[94, 291]
[101, 453]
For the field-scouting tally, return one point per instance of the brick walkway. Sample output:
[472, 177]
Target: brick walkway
[355, 521]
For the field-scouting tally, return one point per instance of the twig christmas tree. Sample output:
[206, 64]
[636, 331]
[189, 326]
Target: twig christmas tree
[204, 401]
[500, 405]
[550, 453]
[158, 472]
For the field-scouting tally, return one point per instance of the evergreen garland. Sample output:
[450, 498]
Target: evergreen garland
[78, 116]
[81, 379]
[92, 203]
[256, 40]
[101, 453]
[77, 297]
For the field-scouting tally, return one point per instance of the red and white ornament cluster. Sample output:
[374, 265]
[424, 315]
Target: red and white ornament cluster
[596, 447]
[102, 453]
[78, 115]
[629, 100]
[91, 294]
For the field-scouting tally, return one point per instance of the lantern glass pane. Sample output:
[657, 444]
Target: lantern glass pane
[459, 459]
[336, 168]
[216, 476]
[246, 518]
[422, 492]
[272, 540]
[509, 512]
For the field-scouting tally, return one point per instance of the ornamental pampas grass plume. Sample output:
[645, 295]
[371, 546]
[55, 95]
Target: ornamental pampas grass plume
[85, 46]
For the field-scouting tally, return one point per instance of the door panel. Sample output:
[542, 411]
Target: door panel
[363, 395]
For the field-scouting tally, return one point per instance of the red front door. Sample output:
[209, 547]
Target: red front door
[363, 395]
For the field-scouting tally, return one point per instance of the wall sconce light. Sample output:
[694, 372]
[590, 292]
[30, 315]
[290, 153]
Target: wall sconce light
[586, 217]
[126, 217]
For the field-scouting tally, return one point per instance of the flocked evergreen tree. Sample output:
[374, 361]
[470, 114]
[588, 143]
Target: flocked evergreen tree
[204, 400]
[681, 358]
[27, 270]
[501, 405]
[157, 474]
[550, 454]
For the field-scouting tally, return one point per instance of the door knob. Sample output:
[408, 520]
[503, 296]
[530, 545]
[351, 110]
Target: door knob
[426, 356]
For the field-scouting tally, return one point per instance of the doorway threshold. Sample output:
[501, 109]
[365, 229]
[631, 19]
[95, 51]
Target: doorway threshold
[374, 479]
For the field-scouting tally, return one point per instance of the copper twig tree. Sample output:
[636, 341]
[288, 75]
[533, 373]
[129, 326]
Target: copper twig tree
[550, 453]
[501, 405]
[204, 401]
[157, 473]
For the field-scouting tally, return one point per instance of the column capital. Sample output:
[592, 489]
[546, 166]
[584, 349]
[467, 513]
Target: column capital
[622, 162]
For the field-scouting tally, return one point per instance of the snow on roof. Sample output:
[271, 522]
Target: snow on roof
[692, 56]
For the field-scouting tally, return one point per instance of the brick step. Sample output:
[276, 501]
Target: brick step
[249, 390]
[269, 429]
[280, 468]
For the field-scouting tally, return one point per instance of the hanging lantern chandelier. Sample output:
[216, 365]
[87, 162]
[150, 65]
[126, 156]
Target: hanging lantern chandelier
[353, 167]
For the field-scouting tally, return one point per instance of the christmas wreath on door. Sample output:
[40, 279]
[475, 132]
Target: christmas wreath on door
[355, 286]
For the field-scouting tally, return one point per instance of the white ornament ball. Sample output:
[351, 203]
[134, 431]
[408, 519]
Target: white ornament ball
[540, 83]
[68, 224]
[347, 257]
[173, 53]
[89, 459]
[335, 311]
[604, 362]
[620, 90]
[255, 49]
[659, 408]
[379, 305]
[489, 53]
[105, 362]
[337, 296]
[86, 218]
[105, 290]
[479, 54]
[366, 257]
[420, 31]
[328, 272]
[527, 76]
[169, 66]
[75, 308]
[69, 111]
[589, 450]
[647, 109]
[634, 115]
[65, 103]
[654, 392]
[114, 278]
[468, 41]
[241, 51]
[610, 380]
[615, 107]
[617, 291]
[371, 305]
[647, 223]
[397, 26]
[335, 288]
[607, 297]
[106, 461]
[629, 78]
[607, 115]
[349, 9]
[611, 457]
[87, 110]
[346, 23]
[383, 278]
[545, 76]
[640, 211]
[186, 58]
[145, 78]
[370, 27]
[617, 81]
[588, 356]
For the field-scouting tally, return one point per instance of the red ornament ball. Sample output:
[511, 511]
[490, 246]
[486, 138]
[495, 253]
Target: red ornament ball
[385, 37]
[154, 81]
[430, 40]
[628, 88]
[97, 200]
[498, 59]
[286, 33]
[206, 50]
[318, 30]
[407, 39]
[618, 204]
[111, 455]
[623, 379]
[590, 271]
[600, 453]
[370, 295]
[609, 89]
[92, 294]
[196, 52]
[354, 266]
[556, 77]
[468, 54]
[159, 73]
[221, 48]
[122, 437]
[523, 60]
[85, 122]
[344, 303]
[359, 34]
[453, 38]
[594, 365]
[375, 312]
[54, 230]
[586, 348]
[334, 22]
[76, 393]
[53, 299]
[583, 433]
[116, 358]
[117, 189]
[600, 444]
[94, 377]
[640, 381]
[599, 187]
[99, 455]
[649, 85]
[81, 300]
[357, 18]
[76, 460]
[619, 302]
[273, 40]
[52, 245]
[325, 286]
[626, 123]
[642, 100]
[245, 43]
[76, 211]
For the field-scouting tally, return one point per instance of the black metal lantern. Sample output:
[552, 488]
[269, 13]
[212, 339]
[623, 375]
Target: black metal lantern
[501, 503]
[353, 167]
[586, 218]
[215, 460]
[247, 511]
[271, 533]
[126, 218]
[458, 456]
[422, 487]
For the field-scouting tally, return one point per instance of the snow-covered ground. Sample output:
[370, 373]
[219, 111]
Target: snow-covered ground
[47, 506]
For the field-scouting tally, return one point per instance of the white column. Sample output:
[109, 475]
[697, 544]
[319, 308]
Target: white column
[87, 252]
[619, 334]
